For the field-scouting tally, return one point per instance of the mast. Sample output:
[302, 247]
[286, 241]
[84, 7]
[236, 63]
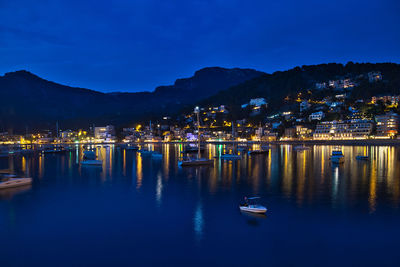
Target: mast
[197, 110]
[57, 131]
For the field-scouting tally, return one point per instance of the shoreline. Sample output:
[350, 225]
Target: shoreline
[360, 142]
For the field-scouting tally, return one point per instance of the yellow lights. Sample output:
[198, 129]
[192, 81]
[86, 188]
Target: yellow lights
[138, 127]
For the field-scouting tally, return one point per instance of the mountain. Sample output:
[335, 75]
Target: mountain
[30, 102]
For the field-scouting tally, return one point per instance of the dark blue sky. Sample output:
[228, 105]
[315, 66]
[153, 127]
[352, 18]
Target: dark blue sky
[127, 45]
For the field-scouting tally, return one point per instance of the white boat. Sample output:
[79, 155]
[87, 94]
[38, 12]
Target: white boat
[230, 157]
[14, 182]
[92, 162]
[251, 205]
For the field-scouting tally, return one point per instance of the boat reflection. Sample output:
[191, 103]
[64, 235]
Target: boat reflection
[9, 193]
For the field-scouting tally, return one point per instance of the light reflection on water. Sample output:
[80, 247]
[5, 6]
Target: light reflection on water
[299, 175]
[286, 179]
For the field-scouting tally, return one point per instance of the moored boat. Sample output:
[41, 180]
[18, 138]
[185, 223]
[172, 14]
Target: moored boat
[9, 182]
[251, 205]
[337, 156]
[199, 161]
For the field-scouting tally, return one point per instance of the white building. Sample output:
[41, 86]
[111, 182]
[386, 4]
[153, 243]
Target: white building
[104, 134]
[316, 116]
[354, 129]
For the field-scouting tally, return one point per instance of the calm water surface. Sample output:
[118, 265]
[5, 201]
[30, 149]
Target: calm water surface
[135, 210]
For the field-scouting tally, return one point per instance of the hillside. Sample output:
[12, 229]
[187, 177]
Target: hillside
[30, 102]
[275, 87]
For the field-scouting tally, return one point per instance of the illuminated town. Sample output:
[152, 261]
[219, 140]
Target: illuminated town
[199, 133]
[306, 118]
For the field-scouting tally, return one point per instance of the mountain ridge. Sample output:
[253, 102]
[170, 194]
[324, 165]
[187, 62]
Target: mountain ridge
[29, 101]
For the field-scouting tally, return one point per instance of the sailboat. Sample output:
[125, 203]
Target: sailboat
[232, 156]
[197, 161]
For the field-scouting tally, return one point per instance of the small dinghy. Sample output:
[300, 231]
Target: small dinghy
[251, 205]
[14, 182]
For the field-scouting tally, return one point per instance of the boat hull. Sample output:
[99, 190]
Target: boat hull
[253, 210]
[15, 182]
[337, 160]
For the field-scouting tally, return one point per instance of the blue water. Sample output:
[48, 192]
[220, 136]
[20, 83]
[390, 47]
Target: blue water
[135, 210]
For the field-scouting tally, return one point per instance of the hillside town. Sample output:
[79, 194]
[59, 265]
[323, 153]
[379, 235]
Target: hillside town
[325, 112]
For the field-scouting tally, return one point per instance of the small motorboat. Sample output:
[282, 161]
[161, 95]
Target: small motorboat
[337, 153]
[337, 156]
[361, 157]
[251, 205]
[230, 157]
[92, 162]
[9, 182]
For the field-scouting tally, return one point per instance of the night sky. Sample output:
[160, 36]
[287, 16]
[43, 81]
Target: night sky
[126, 45]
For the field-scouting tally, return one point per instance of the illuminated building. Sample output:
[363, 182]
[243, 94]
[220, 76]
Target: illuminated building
[387, 125]
[394, 100]
[336, 130]
[104, 134]
[316, 116]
